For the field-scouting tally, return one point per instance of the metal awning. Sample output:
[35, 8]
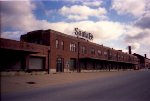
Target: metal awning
[104, 60]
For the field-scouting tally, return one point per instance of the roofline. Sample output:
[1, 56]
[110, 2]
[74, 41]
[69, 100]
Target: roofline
[70, 36]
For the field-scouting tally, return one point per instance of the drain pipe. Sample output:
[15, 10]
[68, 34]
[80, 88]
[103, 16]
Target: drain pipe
[48, 61]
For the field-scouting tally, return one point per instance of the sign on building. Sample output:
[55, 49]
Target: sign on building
[83, 34]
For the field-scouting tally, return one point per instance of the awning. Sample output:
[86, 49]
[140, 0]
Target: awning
[104, 60]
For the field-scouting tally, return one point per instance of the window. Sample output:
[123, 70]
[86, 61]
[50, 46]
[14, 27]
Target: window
[124, 58]
[110, 54]
[99, 52]
[92, 51]
[72, 47]
[118, 56]
[37, 41]
[105, 53]
[62, 45]
[83, 49]
[57, 44]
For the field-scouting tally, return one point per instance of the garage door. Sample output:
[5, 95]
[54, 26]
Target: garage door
[36, 63]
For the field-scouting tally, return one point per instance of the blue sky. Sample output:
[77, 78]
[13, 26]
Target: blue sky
[114, 23]
[44, 6]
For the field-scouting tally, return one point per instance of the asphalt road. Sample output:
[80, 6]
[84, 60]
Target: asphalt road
[128, 86]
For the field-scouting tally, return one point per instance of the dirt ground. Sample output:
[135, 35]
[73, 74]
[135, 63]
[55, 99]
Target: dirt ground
[11, 84]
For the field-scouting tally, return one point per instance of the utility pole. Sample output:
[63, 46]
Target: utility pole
[48, 60]
[79, 33]
[78, 69]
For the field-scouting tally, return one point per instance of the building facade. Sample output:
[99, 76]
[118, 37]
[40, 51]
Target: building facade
[52, 51]
[143, 61]
[22, 56]
[68, 53]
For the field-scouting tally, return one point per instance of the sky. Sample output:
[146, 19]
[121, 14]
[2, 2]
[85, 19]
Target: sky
[113, 23]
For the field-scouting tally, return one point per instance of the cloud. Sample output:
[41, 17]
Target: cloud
[132, 30]
[103, 30]
[144, 50]
[93, 3]
[78, 12]
[12, 35]
[133, 7]
[134, 46]
[77, 17]
[18, 15]
[134, 33]
[144, 21]
[137, 37]
[24, 20]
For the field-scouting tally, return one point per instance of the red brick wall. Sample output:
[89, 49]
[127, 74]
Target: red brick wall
[25, 49]
[49, 37]
[59, 52]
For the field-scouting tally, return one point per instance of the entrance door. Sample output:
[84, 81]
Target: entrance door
[72, 64]
[60, 65]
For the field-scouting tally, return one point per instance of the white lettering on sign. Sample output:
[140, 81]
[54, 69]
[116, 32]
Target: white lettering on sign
[83, 34]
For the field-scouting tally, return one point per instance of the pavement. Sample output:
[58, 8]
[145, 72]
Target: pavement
[99, 86]
[19, 83]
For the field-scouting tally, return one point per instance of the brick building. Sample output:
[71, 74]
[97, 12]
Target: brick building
[22, 56]
[74, 53]
[143, 61]
[53, 51]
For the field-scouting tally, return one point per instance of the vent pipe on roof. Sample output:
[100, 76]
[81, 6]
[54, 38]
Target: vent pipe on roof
[145, 55]
[130, 52]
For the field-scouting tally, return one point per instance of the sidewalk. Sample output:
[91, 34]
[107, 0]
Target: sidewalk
[11, 84]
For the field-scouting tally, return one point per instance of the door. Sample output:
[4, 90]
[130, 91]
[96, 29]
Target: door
[36, 63]
[60, 64]
[72, 64]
